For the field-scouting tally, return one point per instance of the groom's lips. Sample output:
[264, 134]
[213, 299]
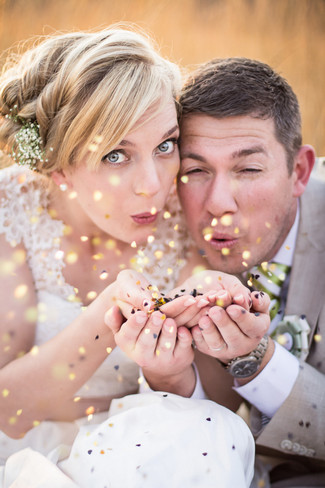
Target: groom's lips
[222, 241]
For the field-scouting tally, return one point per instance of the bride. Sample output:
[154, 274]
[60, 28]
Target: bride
[89, 126]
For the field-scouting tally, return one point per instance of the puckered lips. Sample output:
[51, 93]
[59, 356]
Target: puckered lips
[220, 241]
[144, 218]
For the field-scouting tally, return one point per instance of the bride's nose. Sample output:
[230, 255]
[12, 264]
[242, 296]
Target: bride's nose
[146, 181]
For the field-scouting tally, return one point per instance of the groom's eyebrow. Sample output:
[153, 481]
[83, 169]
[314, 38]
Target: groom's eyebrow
[171, 131]
[248, 151]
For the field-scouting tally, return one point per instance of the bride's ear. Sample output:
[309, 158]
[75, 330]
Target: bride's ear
[60, 180]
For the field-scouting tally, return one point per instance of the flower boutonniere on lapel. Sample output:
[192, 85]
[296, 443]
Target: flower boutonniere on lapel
[292, 333]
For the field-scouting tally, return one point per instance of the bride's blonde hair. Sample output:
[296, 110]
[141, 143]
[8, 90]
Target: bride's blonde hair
[85, 90]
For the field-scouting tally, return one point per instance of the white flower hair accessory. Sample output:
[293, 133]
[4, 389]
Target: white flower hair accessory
[28, 148]
[28, 145]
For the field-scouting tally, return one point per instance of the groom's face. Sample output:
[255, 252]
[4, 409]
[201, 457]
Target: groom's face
[238, 198]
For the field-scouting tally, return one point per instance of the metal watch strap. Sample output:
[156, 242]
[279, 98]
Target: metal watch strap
[258, 353]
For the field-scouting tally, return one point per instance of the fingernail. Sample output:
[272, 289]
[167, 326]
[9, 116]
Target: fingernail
[202, 303]
[204, 323]
[158, 318]
[239, 298]
[189, 301]
[141, 318]
[212, 296]
[215, 313]
[234, 312]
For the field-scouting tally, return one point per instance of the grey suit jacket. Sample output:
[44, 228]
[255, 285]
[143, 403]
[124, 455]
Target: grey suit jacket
[297, 430]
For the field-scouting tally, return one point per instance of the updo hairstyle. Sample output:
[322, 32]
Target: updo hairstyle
[85, 90]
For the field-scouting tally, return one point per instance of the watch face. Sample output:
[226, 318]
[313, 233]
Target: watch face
[244, 367]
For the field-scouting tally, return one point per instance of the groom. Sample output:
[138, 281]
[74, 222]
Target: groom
[248, 198]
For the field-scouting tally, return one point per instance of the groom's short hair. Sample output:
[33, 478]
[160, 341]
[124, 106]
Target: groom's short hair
[240, 86]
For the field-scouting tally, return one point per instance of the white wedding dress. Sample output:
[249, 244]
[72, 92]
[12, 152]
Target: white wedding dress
[145, 440]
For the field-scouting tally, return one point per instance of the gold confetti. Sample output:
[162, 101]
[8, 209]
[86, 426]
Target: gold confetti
[103, 275]
[93, 147]
[133, 244]
[198, 269]
[71, 257]
[317, 337]
[59, 255]
[153, 211]
[77, 399]
[21, 291]
[167, 215]
[150, 239]
[170, 271]
[96, 241]
[184, 179]
[98, 256]
[84, 238]
[168, 345]
[31, 314]
[72, 376]
[171, 244]
[244, 264]
[90, 410]
[19, 256]
[214, 222]
[114, 180]
[34, 351]
[268, 225]
[246, 255]
[91, 295]
[5, 393]
[72, 195]
[12, 420]
[110, 244]
[36, 423]
[226, 220]
[7, 267]
[19, 412]
[236, 230]
[159, 254]
[225, 251]
[67, 230]
[97, 195]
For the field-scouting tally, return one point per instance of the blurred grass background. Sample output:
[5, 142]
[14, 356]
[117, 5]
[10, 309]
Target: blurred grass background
[287, 34]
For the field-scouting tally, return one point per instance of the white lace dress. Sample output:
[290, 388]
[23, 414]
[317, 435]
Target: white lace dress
[141, 436]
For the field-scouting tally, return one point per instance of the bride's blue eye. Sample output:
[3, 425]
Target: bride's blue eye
[114, 157]
[167, 146]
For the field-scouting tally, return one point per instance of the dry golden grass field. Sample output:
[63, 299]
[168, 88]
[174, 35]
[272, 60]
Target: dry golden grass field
[287, 34]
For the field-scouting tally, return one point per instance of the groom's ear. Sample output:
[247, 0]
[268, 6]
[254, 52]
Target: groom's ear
[303, 166]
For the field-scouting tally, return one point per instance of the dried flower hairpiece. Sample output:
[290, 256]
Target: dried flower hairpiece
[29, 143]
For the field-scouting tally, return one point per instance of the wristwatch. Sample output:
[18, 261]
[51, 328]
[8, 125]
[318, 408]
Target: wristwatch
[244, 366]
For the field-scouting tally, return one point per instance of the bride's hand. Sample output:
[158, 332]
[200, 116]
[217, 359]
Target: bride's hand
[162, 350]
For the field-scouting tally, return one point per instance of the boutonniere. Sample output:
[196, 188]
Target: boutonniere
[292, 333]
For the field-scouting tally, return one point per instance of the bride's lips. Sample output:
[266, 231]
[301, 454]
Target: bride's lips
[221, 241]
[144, 218]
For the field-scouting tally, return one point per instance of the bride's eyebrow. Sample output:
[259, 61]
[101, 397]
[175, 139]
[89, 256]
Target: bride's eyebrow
[171, 131]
